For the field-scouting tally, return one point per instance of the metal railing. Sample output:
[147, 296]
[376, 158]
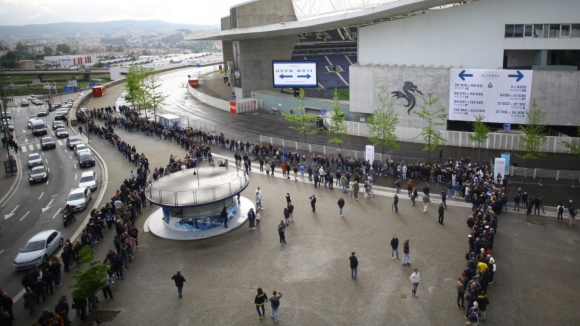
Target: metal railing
[205, 195]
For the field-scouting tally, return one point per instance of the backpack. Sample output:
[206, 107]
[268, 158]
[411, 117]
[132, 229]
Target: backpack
[275, 303]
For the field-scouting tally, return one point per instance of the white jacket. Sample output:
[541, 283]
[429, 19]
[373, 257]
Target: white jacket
[415, 278]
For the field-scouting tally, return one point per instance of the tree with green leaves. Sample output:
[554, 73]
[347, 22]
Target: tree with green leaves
[154, 98]
[480, 133]
[47, 50]
[433, 118]
[533, 136]
[138, 88]
[306, 122]
[63, 48]
[92, 279]
[574, 145]
[337, 129]
[383, 122]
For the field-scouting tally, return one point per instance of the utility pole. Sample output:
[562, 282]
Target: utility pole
[5, 125]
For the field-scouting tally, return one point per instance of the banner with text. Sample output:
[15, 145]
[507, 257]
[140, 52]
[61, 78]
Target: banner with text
[502, 96]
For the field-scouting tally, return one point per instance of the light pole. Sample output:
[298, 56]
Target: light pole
[5, 125]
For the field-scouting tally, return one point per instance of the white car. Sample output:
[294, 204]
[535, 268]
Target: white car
[33, 160]
[38, 249]
[80, 148]
[89, 180]
[61, 133]
[71, 142]
[79, 199]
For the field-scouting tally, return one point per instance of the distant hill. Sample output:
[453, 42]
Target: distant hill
[97, 27]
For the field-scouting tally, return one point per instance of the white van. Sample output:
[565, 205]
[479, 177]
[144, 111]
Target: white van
[38, 127]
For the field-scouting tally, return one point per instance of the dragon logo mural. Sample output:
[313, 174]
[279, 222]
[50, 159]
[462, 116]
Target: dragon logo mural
[408, 89]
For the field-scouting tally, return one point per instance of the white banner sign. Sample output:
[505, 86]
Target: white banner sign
[294, 73]
[502, 96]
[370, 153]
[499, 168]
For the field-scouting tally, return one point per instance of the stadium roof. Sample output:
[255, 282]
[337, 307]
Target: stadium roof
[397, 9]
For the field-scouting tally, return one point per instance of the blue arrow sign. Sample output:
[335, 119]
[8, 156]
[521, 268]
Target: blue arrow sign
[519, 76]
[285, 76]
[304, 76]
[462, 75]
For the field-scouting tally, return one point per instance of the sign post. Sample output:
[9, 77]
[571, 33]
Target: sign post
[300, 74]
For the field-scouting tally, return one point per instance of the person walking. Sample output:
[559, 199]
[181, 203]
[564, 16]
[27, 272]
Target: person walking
[560, 211]
[179, 280]
[288, 200]
[395, 247]
[281, 231]
[353, 265]
[396, 203]
[425, 203]
[415, 278]
[260, 301]
[313, 202]
[224, 215]
[251, 218]
[291, 211]
[461, 292]
[572, 211]
[258, 219]
[275, 303]
[286, 216]
[482, 301]
[407, 253]
[441, 213]
[355, 189]
[259, 199]
[414, 196]
[340, 206]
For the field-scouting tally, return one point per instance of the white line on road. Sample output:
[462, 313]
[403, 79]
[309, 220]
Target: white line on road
[75, 177]
[55, 195]
[70, 157]
[41, 195]
[65, 150]
[55, 214]
[1, 251]
[45, 158]
[31, 147]
[23, 149]
[75, 168]
[24, 216]
[47, 181]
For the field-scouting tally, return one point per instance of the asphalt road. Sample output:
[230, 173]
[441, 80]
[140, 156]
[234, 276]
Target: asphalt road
[34, 208]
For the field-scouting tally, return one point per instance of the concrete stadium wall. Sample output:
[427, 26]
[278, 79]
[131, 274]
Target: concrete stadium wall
[278, 102]
[469, 36]
[264, 12]
[555, 92]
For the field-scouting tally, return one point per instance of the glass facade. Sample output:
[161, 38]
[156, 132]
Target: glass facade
[542, 30]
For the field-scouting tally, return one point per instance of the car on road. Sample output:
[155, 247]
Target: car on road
[71, 142]
[81, 148]
[42, 113]
[38, 249]
[58, 124]
[61, 133]
[60, 116]
[38, 127]
[38, 174]
[34, 159]
[89, 180]
[86, 159]
[36, 101]
[56, 105]
[7, 124]
[79, 198]
[47, 142]
[24, 103]
[6, 115]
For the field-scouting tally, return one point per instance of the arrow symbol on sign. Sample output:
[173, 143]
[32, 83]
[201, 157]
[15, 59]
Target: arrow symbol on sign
[304, 76]
[285, 76]
[44, 209]
[462, 75]
[519, 76]
[7, 216]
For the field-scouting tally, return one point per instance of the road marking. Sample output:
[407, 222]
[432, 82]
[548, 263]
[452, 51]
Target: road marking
[70, 157]
[44, 209]
[26, 140]
[41, 195]
[42, 153]
[55, 214]
[7, 216]
[23, 149]
[31, 147]
[59, 142]
[75, 168]
[1, 251]
[54, 195]
[38, 146]
[47, 181]
[65, 150]
[24, 216]
[75, 177]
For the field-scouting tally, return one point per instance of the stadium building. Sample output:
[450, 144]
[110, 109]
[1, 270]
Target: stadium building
[487, 57]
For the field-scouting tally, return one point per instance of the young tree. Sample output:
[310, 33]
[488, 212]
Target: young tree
[574, 145]
[480, 133]
[91, 280]
[432, 118]
[306, 122]
[155, 98]
[533, 136]
[136, 85]
[337, 129]
[383, 122]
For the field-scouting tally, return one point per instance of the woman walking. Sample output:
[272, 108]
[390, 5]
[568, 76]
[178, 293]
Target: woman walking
[260, 300]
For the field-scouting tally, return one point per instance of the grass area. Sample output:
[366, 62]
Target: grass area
[344, 94]
[25, 86]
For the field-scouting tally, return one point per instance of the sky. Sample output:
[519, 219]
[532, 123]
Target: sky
[202, 12]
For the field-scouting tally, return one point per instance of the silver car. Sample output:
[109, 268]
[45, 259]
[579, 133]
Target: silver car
[38, 249]
[79, 199]
[61, 133]
[34, 159]
[89, 180]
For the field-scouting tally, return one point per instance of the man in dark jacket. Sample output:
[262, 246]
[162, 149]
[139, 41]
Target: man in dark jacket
[353, 265]
[407, 253]
[441, 213]
[395, 247]
[81, 307]
[179, 280]
[62, 308]
[340, 206]
[313, 202]
[39, 288]
[30, 300]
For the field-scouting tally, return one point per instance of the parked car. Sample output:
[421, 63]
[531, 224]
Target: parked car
[38, 249]
[89, 180]
[61, 133]
[71, 142]
[7, 123]
[33, 160]
[79, 198]
[47, 142]
[38, 174]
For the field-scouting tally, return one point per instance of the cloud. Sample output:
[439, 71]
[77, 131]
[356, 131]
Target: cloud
[23, 12]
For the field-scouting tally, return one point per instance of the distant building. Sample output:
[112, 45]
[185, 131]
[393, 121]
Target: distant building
[26, 64]
[72, 60]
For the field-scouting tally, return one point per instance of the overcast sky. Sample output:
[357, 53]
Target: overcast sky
[204, 12]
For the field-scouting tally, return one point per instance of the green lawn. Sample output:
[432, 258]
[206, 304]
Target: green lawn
[344, 94]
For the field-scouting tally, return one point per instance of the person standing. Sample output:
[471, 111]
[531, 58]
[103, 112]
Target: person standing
[572, 211]
[313, 202]
[251, 218]
[7, 303]
[407, 253]
[461, 292]
[396, 203]
[414, 196]
[441, 213]
[395, 247]
[30, 300]
[260, 301]
[281, 231]
[355, 189]
[353, 265]
[286, 216]
[179, 280]
[425, 203]
[275, 303]
[291, 211]
[482, 301]
[560, 210]
[224, 215]
[444, 198]
[288, 199]
[258, 219]
[415, 278]
[259, 199]
[62, 309]
[340, 206]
